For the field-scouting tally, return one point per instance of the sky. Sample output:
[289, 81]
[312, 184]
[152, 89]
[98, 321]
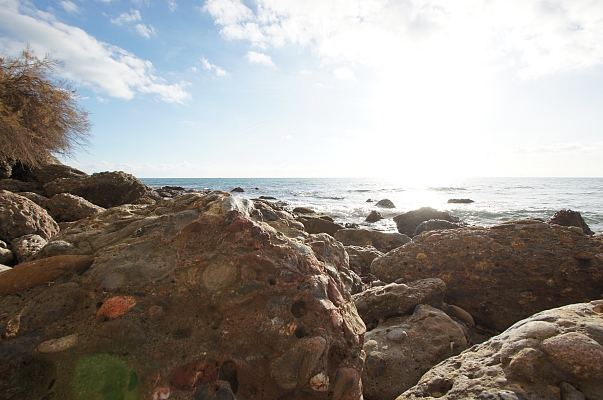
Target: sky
[328, 88]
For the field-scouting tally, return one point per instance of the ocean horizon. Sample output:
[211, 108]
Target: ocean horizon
[350, 200]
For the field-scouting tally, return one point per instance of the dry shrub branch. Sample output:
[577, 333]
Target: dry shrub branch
[39, 114]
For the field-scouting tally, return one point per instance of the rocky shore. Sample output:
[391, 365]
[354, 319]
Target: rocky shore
[110, 289]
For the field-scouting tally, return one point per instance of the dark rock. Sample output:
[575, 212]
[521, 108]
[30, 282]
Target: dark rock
[6, 169]
[570, 218]
[40, 200]
[407, 223]
[385, 203]
[503, 273]
[238, 190]
[401, 350]
[170, 191]
[382, 241]
[20, 216]
[395, 299]
[104, 189]
[436, 224]
[533, 359]
[268, 198]
[15, 186]
[370, 201]
[303, 210]
[460, 201]
[52, 172]
[65, 207]
[319, 225]
[374, 216]
[361, 258]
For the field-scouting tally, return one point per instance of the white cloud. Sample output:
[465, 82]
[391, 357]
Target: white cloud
[70, 6]
[145, 31]
[533, 38]
[125, 18]
[106, 69]
[305, 72]
[259, 58]
[172, 5]
[209, 66]
[344, 73]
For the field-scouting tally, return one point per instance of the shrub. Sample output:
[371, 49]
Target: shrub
[39, 114]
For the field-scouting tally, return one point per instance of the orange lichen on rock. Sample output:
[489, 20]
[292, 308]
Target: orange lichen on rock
[115, 307]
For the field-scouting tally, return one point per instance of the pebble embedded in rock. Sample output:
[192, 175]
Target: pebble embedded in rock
[115, 307]
[397, 335]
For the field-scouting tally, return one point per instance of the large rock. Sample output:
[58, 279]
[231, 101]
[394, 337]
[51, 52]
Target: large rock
[361, 258]
[26, 246]
[20, 216]
[319, 225]
[402, 349]
[53, 172]
[570, 218]
[65, 207]
[194, 297]
[436, 224]
[407, 223]
[104, 189]
[382, 241]
[15, 186]
[556, 354]
[393, 300]
[503, 273]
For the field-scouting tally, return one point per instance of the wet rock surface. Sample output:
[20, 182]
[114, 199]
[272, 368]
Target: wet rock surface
[503, 273]
[402, 349]
[193, 297]
[555, 354]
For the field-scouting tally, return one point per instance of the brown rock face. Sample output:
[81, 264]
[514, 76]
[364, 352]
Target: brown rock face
[66, 207]
[319, 225]
[195, 298]
[382, 241]
[503, 273]
[104, 189]
[570, 218]
[556, 354]
[20, 216]
[408, 222]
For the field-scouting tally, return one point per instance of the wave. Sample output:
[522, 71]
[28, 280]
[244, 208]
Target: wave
[446, 189]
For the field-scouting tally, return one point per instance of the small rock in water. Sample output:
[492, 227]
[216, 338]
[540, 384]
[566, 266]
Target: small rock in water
[374, 216]
[304, 210]
[460, 201]
[238, 190]
[385, 203]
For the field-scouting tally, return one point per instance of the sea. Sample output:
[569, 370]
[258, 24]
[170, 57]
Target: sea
[350, 200]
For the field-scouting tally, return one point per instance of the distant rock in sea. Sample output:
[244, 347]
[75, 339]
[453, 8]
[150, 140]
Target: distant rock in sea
[460, 201]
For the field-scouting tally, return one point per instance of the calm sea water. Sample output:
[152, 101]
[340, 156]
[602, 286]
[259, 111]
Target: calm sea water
[495, 199]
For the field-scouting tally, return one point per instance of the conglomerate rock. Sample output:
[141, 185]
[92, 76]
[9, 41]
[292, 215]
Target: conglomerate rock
[104, 189]
[402, 349]
[20, 216]
[194, 297]
[554, 355]
[503, 273]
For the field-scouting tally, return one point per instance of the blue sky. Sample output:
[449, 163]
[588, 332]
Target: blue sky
[328, 88]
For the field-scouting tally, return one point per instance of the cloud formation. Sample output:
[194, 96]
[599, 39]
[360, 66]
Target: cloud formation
[259, 58]
[212, 67]
[106, 69]
[532, 38]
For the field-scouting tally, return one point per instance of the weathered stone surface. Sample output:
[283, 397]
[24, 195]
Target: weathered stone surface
[503, 273]
[570, 218]
[53, 172]
[6, 256]
[34, 273]
[26, 246]
[40, 200]
[402, 349]
[408, 222]
[383, 302]
[104, 189]
[20, 216]
[435, 224]
[382, 241]
[15, 186]
[319, 225]
[374, 216]
[552, 355]
[225, 306]
[65, 207]
[55, 248]
[361, 258]
[4, 268]
[385, 203]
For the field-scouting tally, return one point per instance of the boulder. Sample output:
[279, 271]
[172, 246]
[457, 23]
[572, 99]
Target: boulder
[385, 203]
[20, 216]
[53, 172]
[361, 258]
[401, 350]
[26, 246]
[170, 191]
[65, 207]
[555, 354]
[382, 241]
[15, 186]
[570, 218]
[303, 210]
[195, 297]
[55, 248]
[436, 224]
[505, 272]
[104, 189]
[238, 190]
[374, 216]
[319, 225]
[394, 300]
[407, 223]
[40, 200]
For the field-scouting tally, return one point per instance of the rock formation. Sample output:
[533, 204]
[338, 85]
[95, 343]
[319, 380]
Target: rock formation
[408, 222]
